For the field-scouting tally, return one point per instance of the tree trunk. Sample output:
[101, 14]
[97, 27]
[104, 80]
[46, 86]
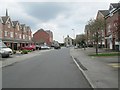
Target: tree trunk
[96, 42]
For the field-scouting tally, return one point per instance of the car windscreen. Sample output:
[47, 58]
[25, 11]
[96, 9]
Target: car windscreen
[2, 45]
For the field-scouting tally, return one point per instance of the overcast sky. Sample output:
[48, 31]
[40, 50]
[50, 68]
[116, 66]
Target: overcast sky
[59, 17]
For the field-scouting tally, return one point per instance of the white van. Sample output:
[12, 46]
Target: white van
[4, 50]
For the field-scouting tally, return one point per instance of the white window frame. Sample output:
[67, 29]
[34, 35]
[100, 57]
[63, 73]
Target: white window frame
[23, 36]
[6, 33]
[8, 24]
[20, 36]
[18, 28]
[11, 34]
[16, 35]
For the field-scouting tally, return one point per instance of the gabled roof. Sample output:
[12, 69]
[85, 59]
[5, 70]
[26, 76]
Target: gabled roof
[22, 25]
[28, 27]
[5, 18]
[114, 5]
[104, 12]
[41, 30]
[15, 23]
[1, 20]
[49, 32]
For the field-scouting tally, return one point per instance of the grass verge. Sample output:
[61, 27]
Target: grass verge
[106, 54]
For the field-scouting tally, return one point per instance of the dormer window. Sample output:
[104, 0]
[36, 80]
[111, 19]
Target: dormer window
[18, 27]
[109, 27]
[111, 14]
[8, 24]
[111, 10]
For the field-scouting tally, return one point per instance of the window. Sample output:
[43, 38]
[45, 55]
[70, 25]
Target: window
[24, 29]
[23, 36]
[16, 35]
[18, 27]
[6, 33]
[29, 38]
[109, 27]
[0, 34]
[11, 34]
[8, 24]
[20, 36]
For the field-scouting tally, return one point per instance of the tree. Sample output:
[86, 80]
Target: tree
[96, 27]
[80, 40]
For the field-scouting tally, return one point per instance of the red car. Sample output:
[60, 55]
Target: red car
[30, 47]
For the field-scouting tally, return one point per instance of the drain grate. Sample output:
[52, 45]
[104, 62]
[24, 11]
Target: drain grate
[84, 68]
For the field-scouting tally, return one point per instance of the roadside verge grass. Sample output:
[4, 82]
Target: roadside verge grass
[105, 54]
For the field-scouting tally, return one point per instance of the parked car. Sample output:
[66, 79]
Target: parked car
[29, 47]
[45, 47]
[57, 47]
[38, 47]
[4, 50]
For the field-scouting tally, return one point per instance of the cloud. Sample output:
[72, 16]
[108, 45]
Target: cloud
[43, 11]
[60, 17]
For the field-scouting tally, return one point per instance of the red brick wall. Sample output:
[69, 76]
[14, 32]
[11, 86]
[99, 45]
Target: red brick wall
[1, 29]
[18, 31]
[112, 21]
[41, 35]
[11, 29]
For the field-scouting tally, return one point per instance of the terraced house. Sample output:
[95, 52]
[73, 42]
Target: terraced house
[14, 34]
[112, 26]
[110, 36]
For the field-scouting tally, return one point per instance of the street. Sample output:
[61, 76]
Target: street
[53, 69]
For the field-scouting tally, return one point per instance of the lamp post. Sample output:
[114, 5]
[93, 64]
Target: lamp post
[73, 37]
[73, 33]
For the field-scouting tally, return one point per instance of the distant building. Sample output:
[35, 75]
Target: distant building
[68, 41]
[42, 37]
[50, 35]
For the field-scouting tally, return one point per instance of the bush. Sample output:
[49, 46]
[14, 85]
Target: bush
[24, 52]
[29, 50]
[14, 52]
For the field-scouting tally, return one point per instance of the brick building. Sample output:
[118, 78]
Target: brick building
[111, 33]
[0, 28]
[43, 37]
[14, 35]
[112, 24]
[50, 34]
[102, 33]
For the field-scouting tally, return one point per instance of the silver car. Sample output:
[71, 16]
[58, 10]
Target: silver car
[4, 50]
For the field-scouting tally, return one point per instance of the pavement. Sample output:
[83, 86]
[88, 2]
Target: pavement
[101, 72]
[19, 57]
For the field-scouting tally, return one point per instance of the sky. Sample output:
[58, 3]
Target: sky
[62, 17]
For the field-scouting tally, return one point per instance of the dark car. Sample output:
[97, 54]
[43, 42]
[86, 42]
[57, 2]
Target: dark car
[38, 47]
[57, 47]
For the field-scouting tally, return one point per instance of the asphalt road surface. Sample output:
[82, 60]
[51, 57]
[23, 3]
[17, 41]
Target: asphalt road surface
[53, 69]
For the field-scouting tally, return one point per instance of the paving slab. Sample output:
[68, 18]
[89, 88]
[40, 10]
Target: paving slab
[99, 73]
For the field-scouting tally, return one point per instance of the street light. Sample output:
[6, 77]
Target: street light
[73, 36]
[73, 33]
